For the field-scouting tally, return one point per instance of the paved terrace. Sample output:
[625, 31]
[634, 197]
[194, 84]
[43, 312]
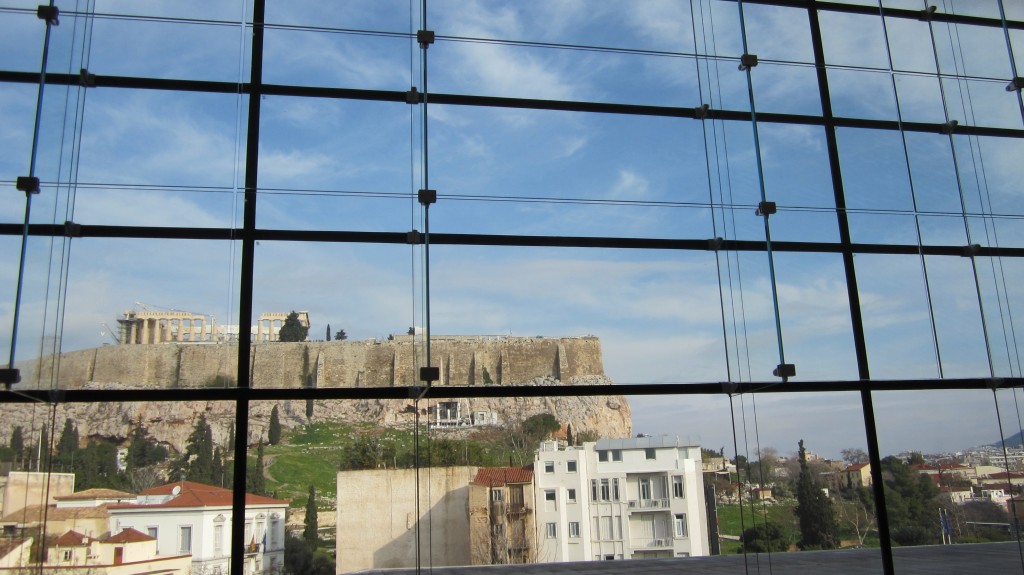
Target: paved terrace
[988, 558]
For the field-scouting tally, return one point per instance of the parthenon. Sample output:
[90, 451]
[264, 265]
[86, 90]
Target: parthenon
[150, 327]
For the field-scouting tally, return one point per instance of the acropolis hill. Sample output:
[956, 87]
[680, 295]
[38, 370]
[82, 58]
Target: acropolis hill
[463, 360]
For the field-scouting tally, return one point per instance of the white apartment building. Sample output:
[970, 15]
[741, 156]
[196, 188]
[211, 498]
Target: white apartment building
[188, 518]
[636, 498]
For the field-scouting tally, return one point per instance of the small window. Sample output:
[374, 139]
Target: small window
[593, 490]
[570, 466]
[549, 494]
[185, 539]
[602, 455]
[651, 453]
[67, 555]
[549, 467]
[616, 455]
[677, 486]
[680, 524]
[615, 489]
[574, 529]
[605, 490]
[497, 495]
[609, 558]
[571, 495]
[551, 530]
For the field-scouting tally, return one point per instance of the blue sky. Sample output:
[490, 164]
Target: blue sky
[657, 313]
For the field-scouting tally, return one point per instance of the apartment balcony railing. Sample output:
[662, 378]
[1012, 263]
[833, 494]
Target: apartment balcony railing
[651, 543]
[648, 504]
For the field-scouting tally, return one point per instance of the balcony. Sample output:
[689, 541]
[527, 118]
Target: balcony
[648, 504]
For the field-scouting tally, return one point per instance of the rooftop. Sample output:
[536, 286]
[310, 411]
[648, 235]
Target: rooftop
[641, 442]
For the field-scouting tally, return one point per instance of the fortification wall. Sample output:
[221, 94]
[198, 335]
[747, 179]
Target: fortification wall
[370, 363]
[463, 361]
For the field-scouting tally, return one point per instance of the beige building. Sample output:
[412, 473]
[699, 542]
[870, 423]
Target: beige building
[501, 507]
[378, 525]
[27, 488]
[129, 552]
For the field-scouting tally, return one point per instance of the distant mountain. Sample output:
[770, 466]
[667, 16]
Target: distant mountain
[1015, 440]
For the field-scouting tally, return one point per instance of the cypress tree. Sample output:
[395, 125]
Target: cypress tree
[198, 457]
[818, 528]
[255, 483]
[17, 443]
[67, 445]
[309, 533]
[274, 430]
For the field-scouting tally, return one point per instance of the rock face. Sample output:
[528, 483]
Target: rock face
[463, 361]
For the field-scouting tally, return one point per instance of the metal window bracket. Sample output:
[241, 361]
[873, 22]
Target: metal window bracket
[785, 370]
[72, 230]
[28, 184]
[766, 208]
[425, 38]
[413, 96]
[9, 376]
[715, 244]
[85, 79]
[926, 15]
[971, 250]
[747, 61]
[414, 238]
[430, 373]
[701, 113]
[427, 197]
[949, 127]
[1015, 85]
[49, 13]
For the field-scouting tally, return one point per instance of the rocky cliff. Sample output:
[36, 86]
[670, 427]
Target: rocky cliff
[467, 361]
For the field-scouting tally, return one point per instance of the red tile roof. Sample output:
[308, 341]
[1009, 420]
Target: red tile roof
[72, 539]
[194, 494]
[129, 535]
[857, 466]
[495, 476]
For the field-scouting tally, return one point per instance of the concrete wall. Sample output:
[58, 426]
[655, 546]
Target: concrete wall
[377, 518]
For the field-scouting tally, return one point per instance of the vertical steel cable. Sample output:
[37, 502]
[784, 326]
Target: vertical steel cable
[28, 195]
[913, 196]
[764, 198]
[960, 191]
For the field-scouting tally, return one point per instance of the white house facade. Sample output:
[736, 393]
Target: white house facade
[193, 518]
[635, 498]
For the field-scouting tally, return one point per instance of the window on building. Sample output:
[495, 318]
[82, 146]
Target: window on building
[549, 467]
[594, 495]
[615, 489]
[609, 557]
[185, 539]
[574, 529]
[218, 540]
[551, 530]
[549, 494]
[680, 525]
[605, 490]
[497, 494]
[602, 455]
[154, 532]
[651, 453]
[571, 495]
[677, 486]
[67, 555]
[570, 466]
[550, 500]
[272, 533]
[645, 488]
[616, 455]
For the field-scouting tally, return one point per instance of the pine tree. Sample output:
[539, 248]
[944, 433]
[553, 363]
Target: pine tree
[340, 335]
[818, 528]
[292, 330]
[274, 430]
[309, 533]
[196, 464]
